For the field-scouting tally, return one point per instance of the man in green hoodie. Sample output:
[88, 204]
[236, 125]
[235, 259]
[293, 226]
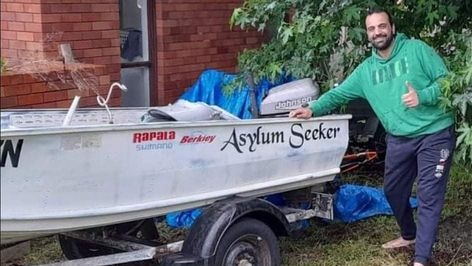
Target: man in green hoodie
[400, 82]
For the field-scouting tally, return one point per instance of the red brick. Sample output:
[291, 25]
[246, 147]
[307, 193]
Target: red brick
[109, 16]
[110, 34]
[39, 87]
[63, 104]
[8, 102]
[8, 16]
[39, 37]
[62, 27]
[104, 80]
[72, 36]
[30, 99]
[55, 96]
[88, 102]
[25, 36]
[92, 53]
[17, 44]
[16, 26]
[72, 17]
[32, 8]
[74, 92]
[81, 8]
[115, 43]
[82, 44]
[5, 80]
[9, 35]
[104, 60]
[24, 17]
[82, 26]
[111, 51]
[37, 18]
[89, 17]
[34, 46]
[12, 7]
[9, 53]
[45, 105]
[5, 44]
[90, 35]
[105, 8]
[33, 27]
[101, 43]
[15, 90]
[102, 25]
[61, 8]
[48, 18]
[29, 79]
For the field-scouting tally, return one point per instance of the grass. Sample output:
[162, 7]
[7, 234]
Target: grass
[357, 243]
[360, 243]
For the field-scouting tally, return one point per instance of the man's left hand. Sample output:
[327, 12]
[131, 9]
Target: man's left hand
[410, 99]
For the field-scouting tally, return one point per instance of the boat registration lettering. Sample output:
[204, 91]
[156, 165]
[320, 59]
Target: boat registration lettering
[11, 150]
[153, 136]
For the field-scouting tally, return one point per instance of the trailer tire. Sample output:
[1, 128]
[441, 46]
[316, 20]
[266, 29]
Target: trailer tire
[250, 241]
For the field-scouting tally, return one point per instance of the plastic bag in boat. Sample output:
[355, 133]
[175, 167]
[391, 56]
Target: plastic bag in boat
[353, 203]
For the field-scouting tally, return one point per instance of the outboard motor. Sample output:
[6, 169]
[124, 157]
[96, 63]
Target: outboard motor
[289, 96]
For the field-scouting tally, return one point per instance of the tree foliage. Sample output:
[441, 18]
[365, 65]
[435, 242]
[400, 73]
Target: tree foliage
[325, 40]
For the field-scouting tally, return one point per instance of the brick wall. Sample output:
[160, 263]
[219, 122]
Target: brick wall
[192, 36]
[28, 90]
[32, 29]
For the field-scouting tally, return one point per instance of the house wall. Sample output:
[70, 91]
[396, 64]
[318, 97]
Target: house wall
[28, 90]
[192, 36]
[31, 31]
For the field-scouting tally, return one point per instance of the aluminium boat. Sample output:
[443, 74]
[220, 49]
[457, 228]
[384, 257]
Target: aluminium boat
[111, 166]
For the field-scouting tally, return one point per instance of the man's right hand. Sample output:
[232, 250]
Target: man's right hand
[303, 112]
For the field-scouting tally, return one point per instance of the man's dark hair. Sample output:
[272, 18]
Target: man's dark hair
[376, 10]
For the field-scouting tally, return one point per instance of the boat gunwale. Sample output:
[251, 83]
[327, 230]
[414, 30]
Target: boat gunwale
[15, 132]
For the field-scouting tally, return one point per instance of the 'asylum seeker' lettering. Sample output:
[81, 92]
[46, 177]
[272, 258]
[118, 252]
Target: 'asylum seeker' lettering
[300, 135]
[249, 141]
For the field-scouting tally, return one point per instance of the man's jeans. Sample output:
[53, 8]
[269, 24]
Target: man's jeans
[427, 158]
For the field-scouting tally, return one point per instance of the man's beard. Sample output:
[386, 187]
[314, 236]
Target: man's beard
[383, 45]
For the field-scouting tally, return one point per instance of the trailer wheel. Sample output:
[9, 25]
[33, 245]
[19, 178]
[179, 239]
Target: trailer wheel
[248, 242]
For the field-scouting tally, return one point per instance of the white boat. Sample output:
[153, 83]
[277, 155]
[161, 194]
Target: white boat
[90, 173]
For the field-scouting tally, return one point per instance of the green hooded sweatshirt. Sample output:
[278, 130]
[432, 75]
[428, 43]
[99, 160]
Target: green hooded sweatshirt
[382, 83]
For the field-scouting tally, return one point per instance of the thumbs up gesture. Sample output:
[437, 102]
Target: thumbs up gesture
[410, 99]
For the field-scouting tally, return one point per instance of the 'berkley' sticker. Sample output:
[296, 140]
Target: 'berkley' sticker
[196, 139]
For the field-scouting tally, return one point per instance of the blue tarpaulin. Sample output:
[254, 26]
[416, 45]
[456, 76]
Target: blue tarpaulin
[353, 203]
[209, 89]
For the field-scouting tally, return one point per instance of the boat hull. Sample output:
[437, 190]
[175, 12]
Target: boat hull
[68, 178]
